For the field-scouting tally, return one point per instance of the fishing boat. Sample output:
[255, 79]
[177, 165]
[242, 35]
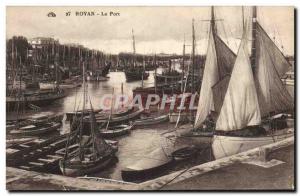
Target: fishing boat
[260, 95]
[134, 72]
[38, 119]
[168, 76]
[38, 98]
[150, 120]
[218, 65]
[111, 120]
[115, 131]
[41, 129]
[99, 74]
[155, 163]
[87, 157]
[78, 113]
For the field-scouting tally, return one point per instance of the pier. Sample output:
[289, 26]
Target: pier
[243, 167]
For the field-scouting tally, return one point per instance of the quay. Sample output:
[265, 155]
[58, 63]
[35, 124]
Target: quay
[262, 168]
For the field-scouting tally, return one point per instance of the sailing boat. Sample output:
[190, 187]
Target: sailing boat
[134, 72]
[92, 153]
[217, 69]
[241, 125]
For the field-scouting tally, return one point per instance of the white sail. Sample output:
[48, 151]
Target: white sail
[240, 106]
[218, 65]
[210, 77]
[270, 66]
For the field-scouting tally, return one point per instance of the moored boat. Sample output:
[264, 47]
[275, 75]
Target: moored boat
[92, 153]
[240, 125]
[115, 131]
[150, 120]
[157, 162]
[184, 153]
[45, 128]
[78, 113]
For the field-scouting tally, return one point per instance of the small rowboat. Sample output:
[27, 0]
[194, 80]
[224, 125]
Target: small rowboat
[151, 120]
[148, 167]
[184, 153]
[36, 129]
[116, 131]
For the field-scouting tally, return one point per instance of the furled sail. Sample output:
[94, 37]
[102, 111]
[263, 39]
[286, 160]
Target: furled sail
[240, 106]
[270, 66]
[218, 64]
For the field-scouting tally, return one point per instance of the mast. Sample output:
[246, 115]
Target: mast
[133, 46]
[183, 68]
[143, 72]
[155, 73]
[243, 20]
[213, 21]
[193, 55]
[193, 65]
[83, 108]
[253, 44]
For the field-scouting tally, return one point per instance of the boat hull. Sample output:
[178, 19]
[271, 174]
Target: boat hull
[151, 121]
[224, 146]
[132, 76]
[117, 132]
[132, 175]
[75, 171]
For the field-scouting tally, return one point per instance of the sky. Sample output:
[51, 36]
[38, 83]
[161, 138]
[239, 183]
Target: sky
[156, 29]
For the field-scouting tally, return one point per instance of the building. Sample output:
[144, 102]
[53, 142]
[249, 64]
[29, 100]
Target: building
[40, 42]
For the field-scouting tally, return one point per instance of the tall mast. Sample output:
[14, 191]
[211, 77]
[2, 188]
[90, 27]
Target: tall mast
[155, 73]
[82, 112]
[183, 68]
[143, 72]
[133, 46]
[193, 55]
[193, 64]
[253, 44]
[213, 21]
[243, 20]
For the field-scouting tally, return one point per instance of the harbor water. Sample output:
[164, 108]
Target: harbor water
[138, 144]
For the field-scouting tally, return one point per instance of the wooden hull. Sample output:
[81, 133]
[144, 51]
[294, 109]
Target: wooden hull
[115, 131]
[224, 146]
[70, 115]
[151, 121]
[35, 121]
[80, 170]
[184, 117]
[49, 86]
[38, 131]
[153, 164]
[39, 100]
[118, 120]
[132, 76]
